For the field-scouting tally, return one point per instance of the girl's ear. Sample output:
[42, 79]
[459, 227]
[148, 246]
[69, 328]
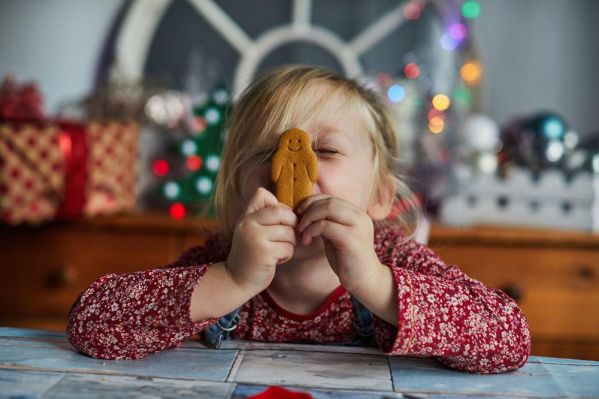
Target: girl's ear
[382, 201]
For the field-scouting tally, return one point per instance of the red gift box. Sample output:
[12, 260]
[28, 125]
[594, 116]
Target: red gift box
[66, 170]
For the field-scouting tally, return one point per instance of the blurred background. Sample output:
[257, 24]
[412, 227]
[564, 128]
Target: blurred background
[113, 115]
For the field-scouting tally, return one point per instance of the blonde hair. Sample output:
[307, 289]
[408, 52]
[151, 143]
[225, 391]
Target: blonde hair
[266, 109]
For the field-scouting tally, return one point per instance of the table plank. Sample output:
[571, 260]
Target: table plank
[33, 384]
[535, 379]
[28, 333]
[314, 369]
[82, 386]
[58, 355]
[581, 381]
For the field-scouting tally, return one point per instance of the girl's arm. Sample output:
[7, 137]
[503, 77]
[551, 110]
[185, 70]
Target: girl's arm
[444, 313]
[131, 315]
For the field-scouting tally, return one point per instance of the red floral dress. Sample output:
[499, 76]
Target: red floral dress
[442, 312]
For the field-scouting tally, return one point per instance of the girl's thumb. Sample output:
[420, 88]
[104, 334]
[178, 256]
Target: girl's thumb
[261, 199]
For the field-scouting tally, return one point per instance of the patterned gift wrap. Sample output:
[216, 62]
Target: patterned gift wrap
[66, 170]
[112, 166]
[31, 173]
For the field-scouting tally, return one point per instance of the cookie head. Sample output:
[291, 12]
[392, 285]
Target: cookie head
[295, 140]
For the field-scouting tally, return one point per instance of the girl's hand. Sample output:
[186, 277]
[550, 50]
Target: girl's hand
[348, 234]
[263, 238]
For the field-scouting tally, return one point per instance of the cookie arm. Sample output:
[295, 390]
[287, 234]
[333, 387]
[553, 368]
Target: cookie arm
[277, 166]
[312, 167]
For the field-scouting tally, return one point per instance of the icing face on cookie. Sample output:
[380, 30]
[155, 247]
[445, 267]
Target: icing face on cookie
[294, 140]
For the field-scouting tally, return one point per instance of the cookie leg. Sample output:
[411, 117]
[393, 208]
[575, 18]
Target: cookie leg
[285, 193]
[302, 188]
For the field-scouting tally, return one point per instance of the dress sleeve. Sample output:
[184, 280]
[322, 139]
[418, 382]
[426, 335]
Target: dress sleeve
[129, 316]
[445, 314]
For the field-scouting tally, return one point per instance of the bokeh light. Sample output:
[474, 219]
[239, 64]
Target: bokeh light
[471, 72]
[396, 93]
[441, 102]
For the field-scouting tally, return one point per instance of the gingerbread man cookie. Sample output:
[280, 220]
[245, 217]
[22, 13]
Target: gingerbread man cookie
[294, 167]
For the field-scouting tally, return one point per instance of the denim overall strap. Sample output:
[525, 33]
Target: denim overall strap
[215, 333]
[364, 322]
[221, 330]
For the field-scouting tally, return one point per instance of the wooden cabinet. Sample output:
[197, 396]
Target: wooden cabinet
[553, 275]
[43, 269]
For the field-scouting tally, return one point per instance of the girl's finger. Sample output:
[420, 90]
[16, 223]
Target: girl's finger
[330, 208]
[334, 232]
[283, 252]
[273, 215]
[309, 200]
[281, 233]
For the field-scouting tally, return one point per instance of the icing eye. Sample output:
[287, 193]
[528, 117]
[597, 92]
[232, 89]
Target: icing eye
[290, 141]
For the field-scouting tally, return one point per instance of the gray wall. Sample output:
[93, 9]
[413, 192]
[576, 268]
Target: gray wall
[541, 54]
[537, 54]
[57, 43]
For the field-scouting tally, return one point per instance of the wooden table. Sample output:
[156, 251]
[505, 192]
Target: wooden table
[37, 363]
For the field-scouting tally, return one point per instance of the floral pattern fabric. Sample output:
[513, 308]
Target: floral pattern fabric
[442, 312]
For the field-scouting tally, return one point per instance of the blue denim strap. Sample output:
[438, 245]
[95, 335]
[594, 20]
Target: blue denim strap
[364, 322]
[215, 333]
[221, 330]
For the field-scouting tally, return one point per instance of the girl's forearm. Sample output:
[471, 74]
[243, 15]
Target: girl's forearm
[379, 294]
[216, 294]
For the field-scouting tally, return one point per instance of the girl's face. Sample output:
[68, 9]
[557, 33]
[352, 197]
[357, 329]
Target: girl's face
[342, 144]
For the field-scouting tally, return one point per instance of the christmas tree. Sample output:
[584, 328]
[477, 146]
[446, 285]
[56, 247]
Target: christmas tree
[188, 171]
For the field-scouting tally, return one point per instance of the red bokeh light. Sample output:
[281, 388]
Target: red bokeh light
[177, 211]
[412, 71]
[194, 162]
[160, 167]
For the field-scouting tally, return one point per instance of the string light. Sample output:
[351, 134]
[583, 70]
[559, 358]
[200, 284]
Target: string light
[411, 70]
[412, 11]
[204, 185]
[471, 9]
[212, 116]
[441, 102]
[396, 93]
[177, 211]
[462, 95]
[194, 162]
[448, 42]
[436, 125]
[160, 167]
[189, 147]
[458, 31]
[435, 113]
[172, 190]
[471, 72]
[212, 163]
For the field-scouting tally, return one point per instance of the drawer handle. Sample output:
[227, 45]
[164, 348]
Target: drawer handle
[586, 272]
[513, 291]
[60, 277]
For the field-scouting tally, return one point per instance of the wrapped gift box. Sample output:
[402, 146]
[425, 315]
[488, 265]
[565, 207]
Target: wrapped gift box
[66, 170]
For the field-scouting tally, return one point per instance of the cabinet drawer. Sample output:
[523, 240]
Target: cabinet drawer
[557, 288]
[43, 271]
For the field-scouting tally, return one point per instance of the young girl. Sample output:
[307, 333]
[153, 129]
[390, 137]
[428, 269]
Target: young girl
[339, 269]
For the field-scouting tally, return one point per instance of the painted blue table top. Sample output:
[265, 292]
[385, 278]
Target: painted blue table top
[42, 364]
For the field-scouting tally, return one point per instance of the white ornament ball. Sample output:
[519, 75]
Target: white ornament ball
[481, 133]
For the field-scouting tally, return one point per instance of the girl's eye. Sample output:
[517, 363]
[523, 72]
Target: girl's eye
[326, 151]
